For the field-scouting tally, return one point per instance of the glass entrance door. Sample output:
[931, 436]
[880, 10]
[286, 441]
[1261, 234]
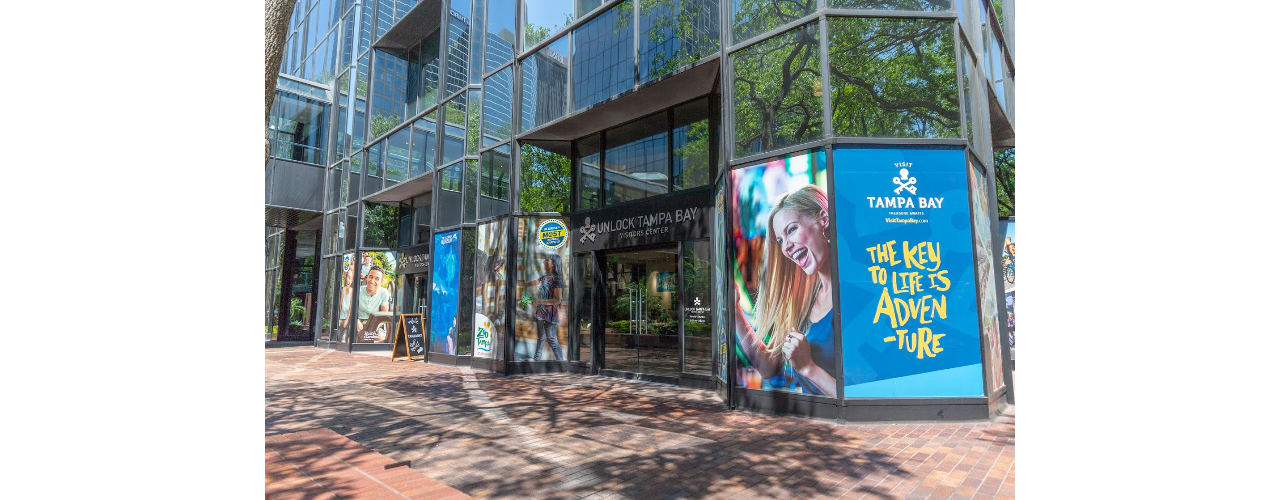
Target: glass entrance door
[642, 301]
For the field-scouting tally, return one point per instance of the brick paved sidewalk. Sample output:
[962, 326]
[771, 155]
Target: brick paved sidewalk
[576, 436]
[321, 463]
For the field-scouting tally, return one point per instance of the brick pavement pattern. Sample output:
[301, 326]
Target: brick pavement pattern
[578, 436]
[321, 463]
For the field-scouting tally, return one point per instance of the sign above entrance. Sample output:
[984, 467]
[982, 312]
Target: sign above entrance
[661, 219]
[415, 259]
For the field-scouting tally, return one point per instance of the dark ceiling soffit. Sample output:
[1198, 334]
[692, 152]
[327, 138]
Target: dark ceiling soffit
[1001, 129]
[286, 217]
[694, 82]
[413, 27]
[419, 185]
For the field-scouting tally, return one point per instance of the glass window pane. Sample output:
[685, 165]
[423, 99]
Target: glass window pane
[422, 220]
[381, 225]
[544, 179]
[353, 177]
[497, 107]
[495, 182]
[697, 307]
[423, 155]
[691, 146]
[636, 160]
[424, 73]
[603, 57]
[466, 282]
[588, 170]
[334, 197]
[301, 128]
[586, 6]
[477, 41]
[386, 17]
[473, 121]
[455, 127]
[373, 170]
[500, 38]
[349, 229]
[777, 91]
[458, 52]
[470, 189]
[754, 17]
[919, 5]
[580, 338]
[545, 85]
[398, 156]
[387, 101]
[543, 18]
[675, 33]
[366, 26]
[893, 77]
[449, 202]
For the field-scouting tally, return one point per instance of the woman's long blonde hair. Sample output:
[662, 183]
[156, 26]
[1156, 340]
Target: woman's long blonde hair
[786, 293]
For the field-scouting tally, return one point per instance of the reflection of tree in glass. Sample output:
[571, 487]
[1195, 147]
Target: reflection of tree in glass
[774, 101]
[679, 32]
[534, 34]
[1004, 182]
[921, 5]
[381, 124]
[893, 78]
[753, 17]
[381, 225]
[544, 180]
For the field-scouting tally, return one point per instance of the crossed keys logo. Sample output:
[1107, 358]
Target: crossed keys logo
[904, 182]
[587, 231]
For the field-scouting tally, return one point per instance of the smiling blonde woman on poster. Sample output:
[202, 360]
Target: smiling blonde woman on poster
[793, 305]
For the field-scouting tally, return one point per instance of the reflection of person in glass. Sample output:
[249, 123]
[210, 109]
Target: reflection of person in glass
[373, 297]
[793, 332]
[548, 301]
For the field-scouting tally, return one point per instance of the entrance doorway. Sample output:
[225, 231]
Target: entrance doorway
[641, 309]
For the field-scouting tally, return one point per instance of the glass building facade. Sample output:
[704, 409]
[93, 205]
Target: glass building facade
[788, 203]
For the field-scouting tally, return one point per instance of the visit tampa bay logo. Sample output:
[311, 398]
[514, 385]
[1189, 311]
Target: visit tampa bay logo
[908, 184]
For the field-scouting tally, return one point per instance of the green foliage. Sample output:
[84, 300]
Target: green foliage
[655, 312]
[381, 225]
[544, 180]
[620, 326]
[296, 309]
[534, 34]
[893, 78]
[381, 124]
[697, 330]
[777, 92]
[753, 17]
[689, 43]
[1004, 182]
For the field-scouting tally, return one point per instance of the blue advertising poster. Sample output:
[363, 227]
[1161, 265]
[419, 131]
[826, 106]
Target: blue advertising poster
[444, 293]
[909, 311]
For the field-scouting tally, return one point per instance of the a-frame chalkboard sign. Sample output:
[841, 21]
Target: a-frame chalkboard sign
[411, 338]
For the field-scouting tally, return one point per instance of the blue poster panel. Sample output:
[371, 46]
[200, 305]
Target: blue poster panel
[781, 307]
[1006, 262]
[444, 293]
[909, 318]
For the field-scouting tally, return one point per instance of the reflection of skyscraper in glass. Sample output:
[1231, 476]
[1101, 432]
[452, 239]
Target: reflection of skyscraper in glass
[455, 77]
[546, 75]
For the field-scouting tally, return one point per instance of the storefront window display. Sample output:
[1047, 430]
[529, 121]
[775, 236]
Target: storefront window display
[542, 315]
[782, 313]
[491, 288]
[1006, 263]
[376, 293]
[444, 292]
